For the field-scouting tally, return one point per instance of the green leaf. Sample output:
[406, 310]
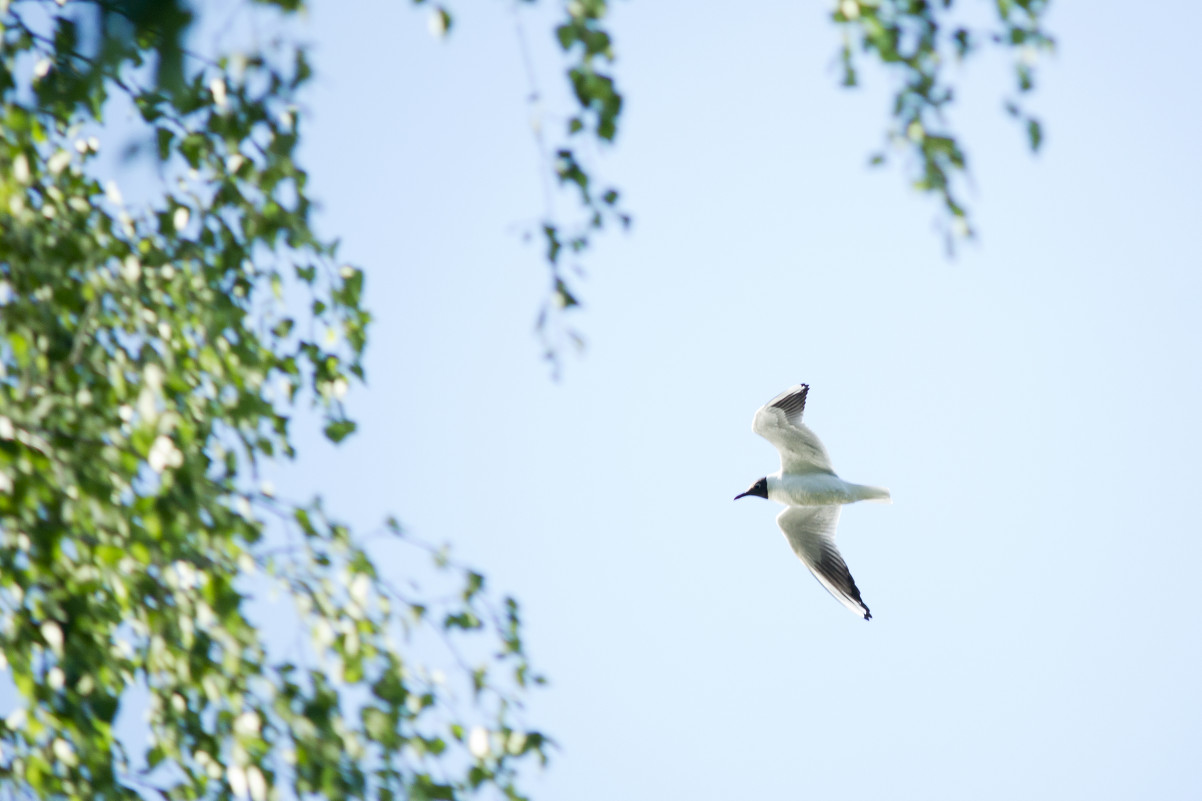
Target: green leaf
[338, 430]
[566, 34]
[164, 139]
[1034, 133]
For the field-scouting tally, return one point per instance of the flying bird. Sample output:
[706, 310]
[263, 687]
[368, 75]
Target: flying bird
[811, 492]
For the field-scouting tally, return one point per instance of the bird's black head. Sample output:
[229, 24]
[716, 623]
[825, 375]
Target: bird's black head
[758, 489]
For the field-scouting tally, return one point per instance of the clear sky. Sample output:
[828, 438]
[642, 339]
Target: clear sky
[1033, 404]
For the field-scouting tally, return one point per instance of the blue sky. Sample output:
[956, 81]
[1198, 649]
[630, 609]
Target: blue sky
[1032, 404]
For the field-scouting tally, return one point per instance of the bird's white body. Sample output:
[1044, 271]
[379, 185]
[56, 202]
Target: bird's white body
[820, 489]
[811, 492]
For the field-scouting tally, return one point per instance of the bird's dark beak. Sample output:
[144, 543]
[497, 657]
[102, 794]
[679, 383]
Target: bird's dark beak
[759, 489]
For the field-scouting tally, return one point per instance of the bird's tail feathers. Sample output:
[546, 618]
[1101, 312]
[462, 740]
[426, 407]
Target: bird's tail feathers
[873, 494]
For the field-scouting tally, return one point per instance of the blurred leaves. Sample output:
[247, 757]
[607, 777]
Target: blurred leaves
[154, 356]
[593, 121]
[915, 41]
[589, 48]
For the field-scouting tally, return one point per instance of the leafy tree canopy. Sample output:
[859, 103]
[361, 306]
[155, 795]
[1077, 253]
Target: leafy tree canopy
[152, 358]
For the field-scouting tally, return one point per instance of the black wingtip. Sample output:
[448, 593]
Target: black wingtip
[793, 402]
[867, 614]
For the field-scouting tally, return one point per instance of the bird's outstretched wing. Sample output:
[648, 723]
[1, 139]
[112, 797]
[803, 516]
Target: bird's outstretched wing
[779, 422]
[810, 531]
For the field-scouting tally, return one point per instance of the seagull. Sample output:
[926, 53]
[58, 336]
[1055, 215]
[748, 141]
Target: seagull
[811, 492]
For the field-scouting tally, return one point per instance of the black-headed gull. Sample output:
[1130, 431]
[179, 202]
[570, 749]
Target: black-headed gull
[811, 492]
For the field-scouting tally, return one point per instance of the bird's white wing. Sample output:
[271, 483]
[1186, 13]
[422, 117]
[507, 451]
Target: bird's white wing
[779, 422]
[810, 531]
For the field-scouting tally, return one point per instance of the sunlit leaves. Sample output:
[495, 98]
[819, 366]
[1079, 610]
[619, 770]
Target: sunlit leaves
[589, 53]
[154, 356]
[916, 41]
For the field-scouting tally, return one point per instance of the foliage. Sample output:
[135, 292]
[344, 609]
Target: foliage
[915, 40]
[588, 47]
[153, 357]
